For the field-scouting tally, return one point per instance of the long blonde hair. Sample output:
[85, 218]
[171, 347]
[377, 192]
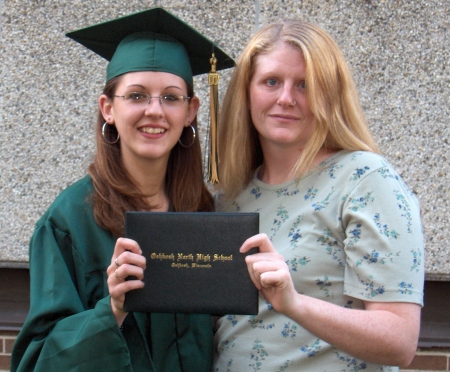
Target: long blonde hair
[331, 94]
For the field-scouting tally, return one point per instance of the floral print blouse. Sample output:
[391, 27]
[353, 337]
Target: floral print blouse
[350, 231]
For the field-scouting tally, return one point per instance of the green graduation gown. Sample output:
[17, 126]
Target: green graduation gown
[70, 325]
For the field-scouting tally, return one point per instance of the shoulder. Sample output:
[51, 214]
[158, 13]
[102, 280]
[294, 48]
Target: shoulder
[352, 159]
[348, 170]
[72, 203]
[357, 165]
[372, 174]
[75, 196]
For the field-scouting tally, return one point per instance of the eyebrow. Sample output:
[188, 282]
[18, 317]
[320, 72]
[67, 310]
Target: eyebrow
[142, 87]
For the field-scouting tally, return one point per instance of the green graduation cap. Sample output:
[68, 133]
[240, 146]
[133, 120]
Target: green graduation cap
[151, 40]
[155, 40]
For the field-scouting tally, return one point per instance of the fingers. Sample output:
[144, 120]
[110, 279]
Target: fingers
[126, 253]
[270, 274]
[128, 270]
[127, 262]
[266, 268]
[118, 286]
[267, 272]
[116, 274]
[261, 241]
[129, 258]
[124, 244]
[279, 278]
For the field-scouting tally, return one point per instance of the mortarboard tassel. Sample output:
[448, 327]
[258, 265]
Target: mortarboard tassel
[213, 81]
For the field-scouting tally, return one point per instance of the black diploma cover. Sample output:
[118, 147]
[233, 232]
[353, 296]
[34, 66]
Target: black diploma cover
[193, 262]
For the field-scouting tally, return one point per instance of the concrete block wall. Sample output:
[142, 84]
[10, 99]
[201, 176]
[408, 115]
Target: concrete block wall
[398, 51]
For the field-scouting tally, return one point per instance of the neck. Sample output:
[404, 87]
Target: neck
[277, 164]
[150, 176]
[277, 168]
[275, 174]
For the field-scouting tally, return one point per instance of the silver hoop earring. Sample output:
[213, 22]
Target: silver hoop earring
[193, 138]
[104, 134]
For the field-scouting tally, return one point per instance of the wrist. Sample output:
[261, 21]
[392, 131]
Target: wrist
[119, 314]
[295, 310]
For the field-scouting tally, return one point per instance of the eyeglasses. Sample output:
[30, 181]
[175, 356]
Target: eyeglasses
[142, 99]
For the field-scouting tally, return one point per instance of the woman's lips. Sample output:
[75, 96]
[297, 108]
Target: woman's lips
[283, 117]
[151, 130]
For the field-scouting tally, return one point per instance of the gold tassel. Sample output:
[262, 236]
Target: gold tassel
[213, 81]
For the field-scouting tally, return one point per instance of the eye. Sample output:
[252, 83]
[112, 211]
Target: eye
[171, 97]
[271, 82]
[136, 96]
[302, 85]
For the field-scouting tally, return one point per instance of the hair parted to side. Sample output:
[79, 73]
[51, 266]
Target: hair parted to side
[115, 191]
[330, 91]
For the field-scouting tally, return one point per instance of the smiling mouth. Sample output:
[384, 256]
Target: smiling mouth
[153, 130]
[286, 117]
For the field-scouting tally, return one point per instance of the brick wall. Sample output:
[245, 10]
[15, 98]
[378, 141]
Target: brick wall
[6, 344]
[426, 360]
[431, 359]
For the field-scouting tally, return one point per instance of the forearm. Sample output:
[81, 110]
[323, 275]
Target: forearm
[382, 333]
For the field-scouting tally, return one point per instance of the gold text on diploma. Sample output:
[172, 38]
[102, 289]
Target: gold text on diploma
[222, 257]
[197, 257]
[162, 256]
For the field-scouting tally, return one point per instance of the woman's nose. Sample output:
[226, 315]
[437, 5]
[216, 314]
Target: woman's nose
[286, 97]
[154, 106]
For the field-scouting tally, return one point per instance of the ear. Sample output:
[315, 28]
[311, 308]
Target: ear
[194, 104]
[105, 105]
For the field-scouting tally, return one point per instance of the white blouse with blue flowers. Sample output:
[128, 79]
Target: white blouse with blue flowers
[350, 231]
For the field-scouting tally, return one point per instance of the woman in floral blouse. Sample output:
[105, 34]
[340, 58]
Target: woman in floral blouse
[340, 263]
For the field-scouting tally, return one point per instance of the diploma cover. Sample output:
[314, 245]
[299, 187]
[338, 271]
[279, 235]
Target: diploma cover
[193, 262]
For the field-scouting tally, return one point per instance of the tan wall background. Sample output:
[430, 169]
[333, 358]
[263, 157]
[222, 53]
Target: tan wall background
[398, 51]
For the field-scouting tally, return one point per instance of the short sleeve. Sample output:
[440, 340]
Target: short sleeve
[384, 241]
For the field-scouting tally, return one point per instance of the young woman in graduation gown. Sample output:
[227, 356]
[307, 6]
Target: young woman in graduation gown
[147, 159]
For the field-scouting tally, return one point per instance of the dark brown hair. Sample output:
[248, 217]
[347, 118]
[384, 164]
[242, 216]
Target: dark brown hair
[115, 191]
